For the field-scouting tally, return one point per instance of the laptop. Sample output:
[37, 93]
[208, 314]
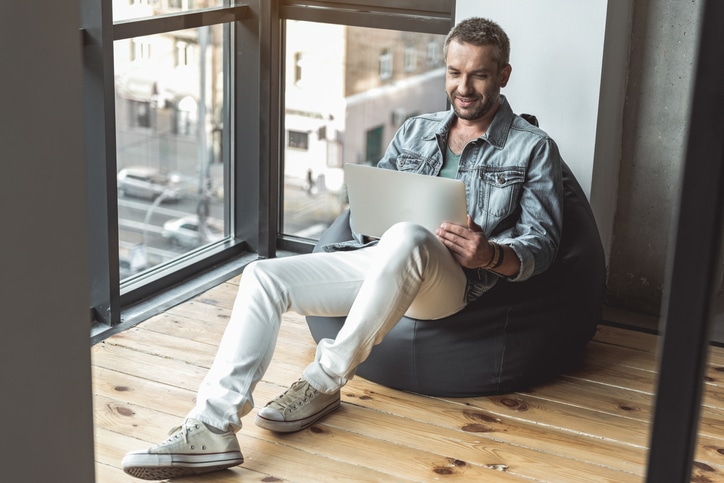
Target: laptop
[379, 198]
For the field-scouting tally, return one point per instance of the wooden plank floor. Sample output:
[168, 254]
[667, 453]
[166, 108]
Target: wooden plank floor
[587, 426]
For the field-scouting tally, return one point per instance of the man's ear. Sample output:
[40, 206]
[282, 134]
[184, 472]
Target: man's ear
[505, 75]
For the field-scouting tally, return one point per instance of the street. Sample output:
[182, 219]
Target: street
[140, 223]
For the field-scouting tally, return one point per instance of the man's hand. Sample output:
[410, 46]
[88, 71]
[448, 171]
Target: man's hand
[469, 245]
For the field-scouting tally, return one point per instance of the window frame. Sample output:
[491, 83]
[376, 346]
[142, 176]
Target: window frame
[254, 181]
[110, 296]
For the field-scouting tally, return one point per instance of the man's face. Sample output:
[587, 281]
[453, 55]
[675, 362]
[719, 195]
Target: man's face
[473, 79]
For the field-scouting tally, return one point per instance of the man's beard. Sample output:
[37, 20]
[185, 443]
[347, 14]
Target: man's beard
[477, 113]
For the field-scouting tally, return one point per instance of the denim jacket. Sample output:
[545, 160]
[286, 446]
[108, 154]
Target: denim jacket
[513, 184]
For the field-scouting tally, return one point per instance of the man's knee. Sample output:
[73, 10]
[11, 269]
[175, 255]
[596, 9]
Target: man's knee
[410, 235]
[260, 273]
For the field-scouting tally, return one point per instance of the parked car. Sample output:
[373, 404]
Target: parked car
[186, 232]
[126, 267]
[147, 182]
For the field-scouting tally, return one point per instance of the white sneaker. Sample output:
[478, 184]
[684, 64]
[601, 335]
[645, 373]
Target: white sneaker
[191, 449]
[297, 408]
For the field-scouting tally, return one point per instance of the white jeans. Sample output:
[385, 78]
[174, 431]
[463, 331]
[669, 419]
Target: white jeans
[409, 272]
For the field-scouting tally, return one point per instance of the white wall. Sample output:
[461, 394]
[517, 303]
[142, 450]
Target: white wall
[558, 52]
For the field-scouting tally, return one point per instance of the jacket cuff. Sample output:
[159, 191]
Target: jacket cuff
[527, 260]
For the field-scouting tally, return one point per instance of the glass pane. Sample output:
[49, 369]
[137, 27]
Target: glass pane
[134, 9]
[169, 132]
[347, 91]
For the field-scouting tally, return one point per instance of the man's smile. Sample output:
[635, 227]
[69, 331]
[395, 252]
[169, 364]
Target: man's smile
[465, 101]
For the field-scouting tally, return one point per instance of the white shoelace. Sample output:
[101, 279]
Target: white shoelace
[184, 429]
[292, 397]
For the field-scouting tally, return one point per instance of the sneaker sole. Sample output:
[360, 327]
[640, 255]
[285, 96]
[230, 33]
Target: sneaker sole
[175, 469]
[298, 424]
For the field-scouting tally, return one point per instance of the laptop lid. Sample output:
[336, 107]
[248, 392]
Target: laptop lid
[379, 198]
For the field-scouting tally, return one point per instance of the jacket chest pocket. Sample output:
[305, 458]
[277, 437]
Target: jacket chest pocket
[415, 163]
[502, 189]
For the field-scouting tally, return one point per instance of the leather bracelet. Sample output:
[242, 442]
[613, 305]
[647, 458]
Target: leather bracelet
[501, 256]
[492, 257]
[495, 260]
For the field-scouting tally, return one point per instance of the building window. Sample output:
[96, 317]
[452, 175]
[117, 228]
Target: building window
[298, 64]
[410, 58]
[298, 140]
[140, 49]
[182, 52]
[433, 52]
[386, 64]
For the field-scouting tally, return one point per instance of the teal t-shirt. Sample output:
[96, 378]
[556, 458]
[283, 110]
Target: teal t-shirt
[450, 164]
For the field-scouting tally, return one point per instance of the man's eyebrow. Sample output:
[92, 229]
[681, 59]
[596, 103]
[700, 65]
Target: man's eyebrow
[484, 70]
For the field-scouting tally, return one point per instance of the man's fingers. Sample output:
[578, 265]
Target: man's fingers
[452, 234]
[458, 230]
[472, 226]
[460, 247]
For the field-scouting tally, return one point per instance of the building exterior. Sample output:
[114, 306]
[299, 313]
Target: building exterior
[348, 89]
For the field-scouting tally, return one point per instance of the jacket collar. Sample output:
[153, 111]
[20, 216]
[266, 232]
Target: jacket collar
[499, 129]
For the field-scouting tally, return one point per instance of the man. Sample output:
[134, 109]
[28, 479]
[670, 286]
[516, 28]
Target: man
[512, 172]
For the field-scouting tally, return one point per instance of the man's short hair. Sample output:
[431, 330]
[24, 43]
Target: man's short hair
[481, 31]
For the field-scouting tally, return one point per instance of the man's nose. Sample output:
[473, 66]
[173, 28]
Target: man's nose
[464, 86]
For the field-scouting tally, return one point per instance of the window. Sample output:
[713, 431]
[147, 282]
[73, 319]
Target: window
[188, 167]
[338, 115]
[183, 48]
[298, 140]
[434, 47]
[158, 148]
[174, 94]
[410, 58]
[386, 65]
[140, 49]
[298, 64]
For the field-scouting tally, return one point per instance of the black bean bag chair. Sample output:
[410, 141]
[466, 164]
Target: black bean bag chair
[517, 335]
